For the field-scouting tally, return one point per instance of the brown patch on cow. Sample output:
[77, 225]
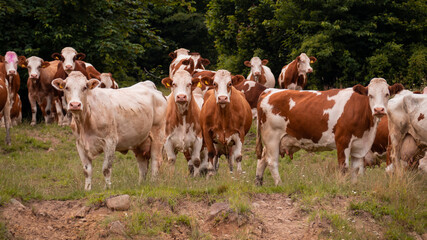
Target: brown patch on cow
[421, 117]
[381, 137]
[308, 105]
[251, 94]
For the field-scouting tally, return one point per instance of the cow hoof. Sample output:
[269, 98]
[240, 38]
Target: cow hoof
[258, 181]
[32, 124]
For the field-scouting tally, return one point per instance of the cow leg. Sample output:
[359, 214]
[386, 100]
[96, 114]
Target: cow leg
[6, 117]
[142, 154]
[157, 137]
[108, 163]
[58, 107]
[170, 152]
[271, 154]
[236, 153]
[87, 166]
[195, 155]
[343, 155]
[357, 167]
[211, 152]
[49, 108]
[204, 158]
[261, 165]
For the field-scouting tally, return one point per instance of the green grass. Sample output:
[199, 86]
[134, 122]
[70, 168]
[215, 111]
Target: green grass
[43, 164]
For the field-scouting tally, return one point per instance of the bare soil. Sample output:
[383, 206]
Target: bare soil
[272, 216]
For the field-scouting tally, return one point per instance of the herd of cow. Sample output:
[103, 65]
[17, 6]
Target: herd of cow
[208, 114]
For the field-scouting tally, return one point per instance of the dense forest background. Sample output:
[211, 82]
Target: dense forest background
[353, 40]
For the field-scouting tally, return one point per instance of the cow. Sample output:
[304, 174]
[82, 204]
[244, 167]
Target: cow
[199, 62]
[225, 119]
[341, 119]
[40, 75]
[9, 68]
[406, 115]
[260, 73]
[184, 60]
[4, 98]
[294, 75]
[107, 81]
[252, 91]
[15, 112]
[183, 131]
[108, 120]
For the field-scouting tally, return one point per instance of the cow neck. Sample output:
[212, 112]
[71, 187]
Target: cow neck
[82, 118]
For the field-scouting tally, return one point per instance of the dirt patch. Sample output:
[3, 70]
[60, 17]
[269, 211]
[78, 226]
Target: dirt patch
[272, 216]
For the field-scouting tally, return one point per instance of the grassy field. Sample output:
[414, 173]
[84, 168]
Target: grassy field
[42, 164]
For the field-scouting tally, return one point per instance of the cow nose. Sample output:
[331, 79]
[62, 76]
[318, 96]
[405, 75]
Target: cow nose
[12, 72]
[75, 105]
[310, 70]
[181, 98]
[68, 67]
[222, 99]
[33, 75]
[257, 73]
[379, 111]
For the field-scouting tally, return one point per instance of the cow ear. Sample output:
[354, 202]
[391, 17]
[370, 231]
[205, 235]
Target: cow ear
[80, 56]
[172, 55]
[361, 89]
[59, 84]
[236, 80]
[1, 58]
[205, 61]
[247, 64]
[167, 82]
[56, 56]
[45, 64]
[22, 61]
[195, 82]
[395, 89]
[313, 59]
[93, 83]
[264, 62]
[207, 81]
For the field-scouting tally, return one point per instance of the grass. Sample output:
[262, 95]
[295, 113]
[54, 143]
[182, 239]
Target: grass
[43, 164]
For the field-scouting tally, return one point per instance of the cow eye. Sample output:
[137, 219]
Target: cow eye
[189, 85]
[66, 88]
[84, 88]
[387, 95]
[174, 84]
[214, 84]
[370, 96]
[229, 84]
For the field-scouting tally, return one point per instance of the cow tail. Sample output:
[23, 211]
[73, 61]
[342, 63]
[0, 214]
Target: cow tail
[258, 138]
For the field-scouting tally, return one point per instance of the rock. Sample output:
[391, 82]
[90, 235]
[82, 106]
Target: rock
[119, 203]
[81, 213]
[17, 204]
[117, 227]
[216, 208]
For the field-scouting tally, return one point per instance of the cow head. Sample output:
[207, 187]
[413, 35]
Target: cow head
[222, 83]
[180, 51]
[68, 57]
[256, 67]
[379, 93]
[76, 87]
[199, 62]
[182, 85]
[303, 64]
[33, 64]
[107, 80]
[11, 63]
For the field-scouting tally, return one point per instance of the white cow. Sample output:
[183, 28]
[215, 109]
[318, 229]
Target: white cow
[109, 120]
[407, 115]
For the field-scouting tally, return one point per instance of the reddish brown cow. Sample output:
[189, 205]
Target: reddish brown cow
[294, 75]
[260, 73]
[225, 119]
[341, 119]
[15, 112]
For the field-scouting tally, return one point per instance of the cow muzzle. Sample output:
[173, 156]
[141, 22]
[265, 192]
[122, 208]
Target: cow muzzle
[181, 99]
[379, 111]
[75, 106]
[310, 70]
[11, 73]
[223, 99]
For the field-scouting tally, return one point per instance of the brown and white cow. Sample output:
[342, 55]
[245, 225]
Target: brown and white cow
[225, 119]
[9, 68]
[199, 62]
[252, 91]
[183, 131]
[107, 81]
[15, 112]
[4, 98]
[407, 114]
[40, 75]
[342, 119]
[260, 73]
[108, 120]
[184, 60]
[294, 75]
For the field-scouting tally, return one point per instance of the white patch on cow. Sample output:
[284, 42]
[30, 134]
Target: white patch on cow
[292, 86]
[236, 149]
[222, 79]
[68, 53]
[88, 64]
[251, 84]
[282, 75]
[291, 104]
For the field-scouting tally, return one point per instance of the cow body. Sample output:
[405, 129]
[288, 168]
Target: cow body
[109, 120]
[252, 91]
[407, 115]
[294, 75]
[4, 99]
[183, 131]
[260, 73]
[345, 120]
[225, 119]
